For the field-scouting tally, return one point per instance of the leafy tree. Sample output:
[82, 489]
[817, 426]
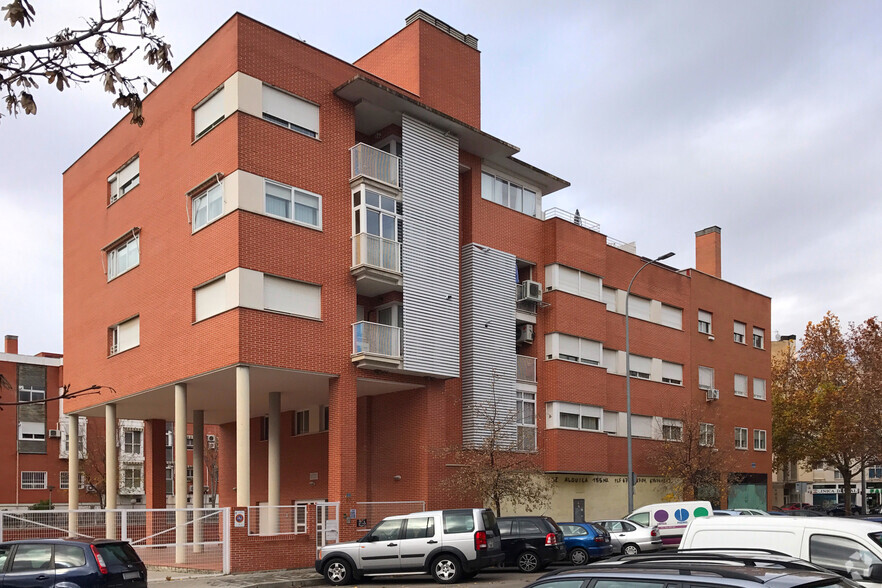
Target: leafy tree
[825, 399]
[96, 50]
[693, 466]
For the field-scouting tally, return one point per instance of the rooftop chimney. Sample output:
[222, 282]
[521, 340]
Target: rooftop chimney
[708, 251]
[11, 344]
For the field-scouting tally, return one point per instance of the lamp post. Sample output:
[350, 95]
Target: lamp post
[628, 379]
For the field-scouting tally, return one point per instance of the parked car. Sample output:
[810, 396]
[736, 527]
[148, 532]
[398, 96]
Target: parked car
[752, 512]
[838, 510]
[803, 512]
[43, 563]
[795, 506]
[630, 537]
[531, 542]
[727, 513]
[671, 517]
[585, 542]
[448, 544]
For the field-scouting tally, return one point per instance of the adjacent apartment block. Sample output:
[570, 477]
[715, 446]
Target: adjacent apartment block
[336, 266]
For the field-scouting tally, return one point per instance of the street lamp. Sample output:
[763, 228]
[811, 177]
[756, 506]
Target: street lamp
[628, 380]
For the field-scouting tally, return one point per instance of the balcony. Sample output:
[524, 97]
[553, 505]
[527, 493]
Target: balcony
[370, 162]
[526, 369]
[376, 346]
[525, 311]
[376, 264]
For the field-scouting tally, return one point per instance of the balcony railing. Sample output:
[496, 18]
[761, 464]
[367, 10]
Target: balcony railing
[377, 252]
[526, 369]
[576, 218]
[373, 163]
[376, 339]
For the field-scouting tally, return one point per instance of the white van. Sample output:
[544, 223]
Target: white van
[851, 547]
[671, 517]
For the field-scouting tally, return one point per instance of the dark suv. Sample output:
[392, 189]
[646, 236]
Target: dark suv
[531, 542]
[46, 563]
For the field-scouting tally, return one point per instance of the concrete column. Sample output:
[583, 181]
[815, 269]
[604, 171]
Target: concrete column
[180, 473]
[198, 476]
[73, 473]
[243, 436]
[274, 461]
[111, 467]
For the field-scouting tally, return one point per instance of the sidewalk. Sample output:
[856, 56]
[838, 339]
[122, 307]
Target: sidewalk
[276, 579]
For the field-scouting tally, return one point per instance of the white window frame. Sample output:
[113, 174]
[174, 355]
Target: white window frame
[706, 435]
[759, 440]
[741, 435]
[114, 336]
[638, 374]
[759, 338]
[705, 322]
[114, 255]
[712, 378]
[136, 473]
[292, 204]
[30, 394]
[30, 431]
[36, 480]
[739, 332]
[505, 200]
[582, 411]
[526, 420]
[762, 395]
[206, 199]
[670, 425]
[276, 120]
[135, 445]
[117, 191]
[668, 379]
[740, 378]
[218, 95]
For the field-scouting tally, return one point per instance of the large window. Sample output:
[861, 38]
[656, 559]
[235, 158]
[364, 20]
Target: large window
[30, 394]
[125, 335]
[706, 435]
[561, 277]
[299, 206]
[208, 113]
[641, 367]
[705, 322]
[759, 440]
[571, 348]
[33, 480]
[211, 299]
[672, 430]
[566, 415]
[132, 442]
[739, 331]
[759, 388]
[64, 481]
[740, 438]
[208, 206]
[509, 194]
[740, 385]
[705, 378]
[638, 307]
[125, 179]
[301, 422]
[292, 297]
[526, 420]
[30, 431]
[672, 373]
[290, 111]
[758, 337]
[123, 258]
[131, 478]
[671, 316]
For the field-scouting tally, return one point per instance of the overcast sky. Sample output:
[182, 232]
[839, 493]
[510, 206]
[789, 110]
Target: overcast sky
[764, 118]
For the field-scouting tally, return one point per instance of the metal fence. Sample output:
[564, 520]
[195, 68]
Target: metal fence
[292, 519]
[376, 252]
[374, 163]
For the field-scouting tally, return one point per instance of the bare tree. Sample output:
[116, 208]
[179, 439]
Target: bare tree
[96, 50]
[94, 469]
[211, 464]
[65, 394]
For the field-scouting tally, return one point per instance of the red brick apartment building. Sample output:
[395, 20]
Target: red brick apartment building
[317, 257]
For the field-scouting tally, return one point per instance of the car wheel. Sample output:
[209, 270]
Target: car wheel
[446, 569]
[338, 572]
[630, 549]
[579, 557]
[528, 562]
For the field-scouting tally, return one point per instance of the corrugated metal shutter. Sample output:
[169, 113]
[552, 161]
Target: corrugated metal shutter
[430, 249]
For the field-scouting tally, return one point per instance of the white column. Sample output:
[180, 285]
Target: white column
[198, 476]
[180, 473]
[73, 473]
[243, 439]
[111, 465]
[274, 461]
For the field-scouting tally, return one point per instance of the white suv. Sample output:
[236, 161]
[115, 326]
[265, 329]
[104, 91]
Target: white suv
[448, 544]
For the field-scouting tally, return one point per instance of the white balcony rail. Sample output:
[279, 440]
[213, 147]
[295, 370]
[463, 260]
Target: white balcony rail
[374, 163]
[526, 369]
[377, 252]
[376, 339]
[574, 218]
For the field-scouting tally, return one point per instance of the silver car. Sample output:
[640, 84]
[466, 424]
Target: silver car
[629, 537]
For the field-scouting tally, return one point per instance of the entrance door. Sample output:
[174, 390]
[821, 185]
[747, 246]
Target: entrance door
[327, 519]
[579, 510]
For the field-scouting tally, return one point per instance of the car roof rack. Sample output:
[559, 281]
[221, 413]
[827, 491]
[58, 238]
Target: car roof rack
[685, 569]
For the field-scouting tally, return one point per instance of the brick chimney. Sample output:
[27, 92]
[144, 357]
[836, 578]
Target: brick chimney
[708, 251]
[11, 344]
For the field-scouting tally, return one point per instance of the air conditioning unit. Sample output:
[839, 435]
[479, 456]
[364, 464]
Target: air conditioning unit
[525, 333]
[530, 291]
[55, 433]
[713, 394]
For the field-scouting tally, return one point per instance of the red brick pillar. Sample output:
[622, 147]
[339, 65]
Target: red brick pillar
[154, 477]
[343, 449]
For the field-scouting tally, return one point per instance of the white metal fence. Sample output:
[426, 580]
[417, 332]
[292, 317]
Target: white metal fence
[374, 163]
[375, 251]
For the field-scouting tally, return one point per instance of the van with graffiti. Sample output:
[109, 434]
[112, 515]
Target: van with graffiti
[671, 517]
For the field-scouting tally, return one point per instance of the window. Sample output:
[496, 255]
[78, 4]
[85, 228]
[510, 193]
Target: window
[304, 208]
[526, 420]
[190, 473]
[208, 113]
[123, 181]
[301, 422]
[28, 431]
[566, 415]
[509, 194]
[874, 472]
[705, 378]
[30, 558]
[377, 217]
[324, 417]
[419, 528]
[292, 297]
[64, 481]
[264, 429]
[189, 441]
[672, 430]
[671, 317]
[30, 394]
[131, 477]
[573, 281]
[638, 307]
[609, 298]
[132, 442]
[641, 426]
[672, 373]
[759, 389]
[123, 258]
[211, 299]
[611, 360]
[759, 440]
[125, 335]
[740, 385]
[704, 322]
[640, 366]
[706, 435]
[845, 556]
[571, 348]
[758, 336]
[740, 330]
[33, 480]
[290, 111]
[208, 206]
[63, 445]
[740, 438]
[170, 479]
[169, 438]
[69, 556]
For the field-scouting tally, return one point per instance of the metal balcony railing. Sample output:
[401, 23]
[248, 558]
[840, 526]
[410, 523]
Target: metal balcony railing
[374, 163]
[376, 339]
[526, 369]
[576, 218]
[377, 252]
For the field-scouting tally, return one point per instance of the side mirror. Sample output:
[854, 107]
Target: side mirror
[875, 573]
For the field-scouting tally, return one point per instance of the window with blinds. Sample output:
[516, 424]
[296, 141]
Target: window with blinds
[573, 281]
[208, 113]
[567, 415]
[759, 388]
[290, 111]
[739, 330]
[705, 378]
[640, 367]
[211, 299]
[571, 348]
[641, 426]
[740, 385]
[705, 320]
[671, 316]
[609, 298]
[125, 335]
[672, 373]
[292, 297]
[638, 307]
[125, 179]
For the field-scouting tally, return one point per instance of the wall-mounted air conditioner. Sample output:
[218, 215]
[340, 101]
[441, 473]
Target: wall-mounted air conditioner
[54, 433]
[525, 333]
[713, 394]
[530, 291]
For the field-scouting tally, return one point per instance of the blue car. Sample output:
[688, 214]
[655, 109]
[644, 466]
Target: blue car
[585, 542]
